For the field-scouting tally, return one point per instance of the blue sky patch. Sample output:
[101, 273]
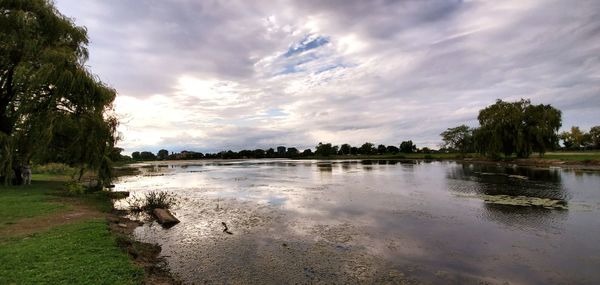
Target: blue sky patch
[306, 44]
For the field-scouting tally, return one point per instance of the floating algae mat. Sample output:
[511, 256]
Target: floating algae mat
[524, 201]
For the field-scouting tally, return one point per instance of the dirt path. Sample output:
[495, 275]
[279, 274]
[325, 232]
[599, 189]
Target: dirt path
[76, 211]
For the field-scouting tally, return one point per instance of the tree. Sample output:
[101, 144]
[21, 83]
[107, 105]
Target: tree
[595, 136]
[51, 107]
[407, 147]
[367, 148]
[575, 138]
[270, 153]
[381, 149]
[541, 123]
[259, 153]
[325, 149]
[162, 154]
[345, 149]
[307, 152]
[458, 139]
[517, 127]
[292, 152]
[392, 149]
[136, 155]
[146, 155]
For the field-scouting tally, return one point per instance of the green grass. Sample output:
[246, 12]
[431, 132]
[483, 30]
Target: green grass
[18, 202]
[573, 156]
[83, 252]
[80, 253]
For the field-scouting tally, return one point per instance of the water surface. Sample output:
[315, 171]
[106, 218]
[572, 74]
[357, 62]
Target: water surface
[373, 222]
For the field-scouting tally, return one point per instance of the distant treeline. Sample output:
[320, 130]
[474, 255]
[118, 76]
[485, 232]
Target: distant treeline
[321, 150]
[506, 129]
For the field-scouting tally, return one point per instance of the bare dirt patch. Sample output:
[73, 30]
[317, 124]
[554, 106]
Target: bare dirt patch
[27, 226]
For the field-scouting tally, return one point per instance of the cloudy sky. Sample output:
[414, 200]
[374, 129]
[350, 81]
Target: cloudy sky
[217, 75]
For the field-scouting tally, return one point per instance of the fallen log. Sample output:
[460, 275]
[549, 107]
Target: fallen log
[164, 217]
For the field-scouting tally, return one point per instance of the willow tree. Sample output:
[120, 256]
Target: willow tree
[517, 127]
[51, 107]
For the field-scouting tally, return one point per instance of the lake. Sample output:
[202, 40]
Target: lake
[395, 222]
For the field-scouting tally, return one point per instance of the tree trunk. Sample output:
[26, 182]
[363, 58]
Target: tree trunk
[18, 178]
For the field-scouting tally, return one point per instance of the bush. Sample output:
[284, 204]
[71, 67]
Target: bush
[74, 188]
[428, 156]
[53, 168]
[152, 200]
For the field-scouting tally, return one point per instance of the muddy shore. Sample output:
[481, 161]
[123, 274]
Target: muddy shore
[145, 255]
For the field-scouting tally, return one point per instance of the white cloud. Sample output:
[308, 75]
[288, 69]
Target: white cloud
[213, 76]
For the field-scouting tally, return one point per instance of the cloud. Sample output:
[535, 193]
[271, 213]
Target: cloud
[211, 76]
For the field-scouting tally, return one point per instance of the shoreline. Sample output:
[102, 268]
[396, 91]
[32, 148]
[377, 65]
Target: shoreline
[591, 165]
[144, 255]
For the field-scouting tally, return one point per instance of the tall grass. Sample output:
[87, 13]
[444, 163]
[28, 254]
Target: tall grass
[53, 168]
[152, 200]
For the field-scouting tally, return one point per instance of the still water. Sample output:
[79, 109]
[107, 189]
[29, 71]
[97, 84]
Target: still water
[362, 222]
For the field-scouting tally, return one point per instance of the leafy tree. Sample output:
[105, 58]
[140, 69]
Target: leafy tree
[307, 152]
[136, 155]
[392, 149]
[259, 153]
[517, 127]
[354, 150]
[270, 153]
[541, 122]
[367, 148]
[345, 149]
[381, 149]
[51, 106]
[575, 138]
[408, 147]
[146, 155]
[292, 152]
[458, 139]
[326, 149]
[162, 154]
[595, 136]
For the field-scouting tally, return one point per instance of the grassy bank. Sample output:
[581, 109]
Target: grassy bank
[79, 253]
[50, 237]
[574, 156]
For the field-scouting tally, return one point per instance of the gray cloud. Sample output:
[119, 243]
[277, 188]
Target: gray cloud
[207, 75]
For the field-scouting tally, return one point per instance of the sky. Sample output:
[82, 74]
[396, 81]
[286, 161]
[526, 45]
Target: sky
[219, 75]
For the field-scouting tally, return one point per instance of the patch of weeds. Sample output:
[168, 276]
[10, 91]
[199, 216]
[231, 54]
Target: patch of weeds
[74, 188]
[53, 168]
[152, 200]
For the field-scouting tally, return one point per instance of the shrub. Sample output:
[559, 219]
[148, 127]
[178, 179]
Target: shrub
[53, 168]
[74, 188]
[428, 156]
[152, 200]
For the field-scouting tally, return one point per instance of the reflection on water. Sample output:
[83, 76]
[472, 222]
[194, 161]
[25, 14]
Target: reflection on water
[373, 221]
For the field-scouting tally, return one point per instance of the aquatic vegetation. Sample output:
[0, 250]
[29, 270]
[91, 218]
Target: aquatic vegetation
[524, 201]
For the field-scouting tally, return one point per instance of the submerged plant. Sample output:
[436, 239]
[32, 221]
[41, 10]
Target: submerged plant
[152, 200]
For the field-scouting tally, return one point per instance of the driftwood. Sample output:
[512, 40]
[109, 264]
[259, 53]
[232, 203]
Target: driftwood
[165, 217]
